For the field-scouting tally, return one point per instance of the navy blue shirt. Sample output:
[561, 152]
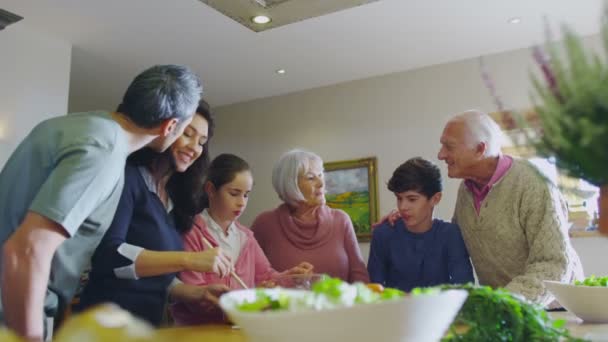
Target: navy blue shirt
[143, 221]
[401, 259]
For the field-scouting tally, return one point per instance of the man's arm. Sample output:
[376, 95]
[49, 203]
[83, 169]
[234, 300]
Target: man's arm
[26, 264]
[543, 216]
[459, 264]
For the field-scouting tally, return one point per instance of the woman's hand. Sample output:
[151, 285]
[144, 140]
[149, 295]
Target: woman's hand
[211, 293]
[301, 268]
[268, 284]
[207, 294]
[210, 260]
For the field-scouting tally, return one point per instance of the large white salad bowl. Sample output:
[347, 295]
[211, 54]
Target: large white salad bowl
[589, 303]
[422, 318]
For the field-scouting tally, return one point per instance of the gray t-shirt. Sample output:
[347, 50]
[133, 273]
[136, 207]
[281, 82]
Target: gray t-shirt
[69, 169]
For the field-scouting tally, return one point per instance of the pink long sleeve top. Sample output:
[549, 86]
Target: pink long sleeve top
[252, 267]
[329, 244]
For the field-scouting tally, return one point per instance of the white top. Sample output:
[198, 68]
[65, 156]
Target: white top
[230, 242]
[152, 186]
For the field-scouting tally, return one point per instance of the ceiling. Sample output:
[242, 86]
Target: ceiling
[113, 40]
[279, 12]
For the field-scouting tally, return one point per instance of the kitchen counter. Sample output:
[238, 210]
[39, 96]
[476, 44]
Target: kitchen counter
[578, 328]
[214, 332]
[225, 333]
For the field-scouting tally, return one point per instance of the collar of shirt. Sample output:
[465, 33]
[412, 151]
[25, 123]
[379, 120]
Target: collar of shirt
[231, 243]
[212, 225]
[151, 185]
[479, 194]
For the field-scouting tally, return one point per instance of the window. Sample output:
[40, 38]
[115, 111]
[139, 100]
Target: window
[582, 198]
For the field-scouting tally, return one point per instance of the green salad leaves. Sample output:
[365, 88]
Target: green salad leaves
[498, 315]
[325, 294]
[487, 315]
[593, 281]
[264, 302]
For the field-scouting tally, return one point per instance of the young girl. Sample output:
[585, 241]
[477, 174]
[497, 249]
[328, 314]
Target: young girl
[418, 251]
[228, 185]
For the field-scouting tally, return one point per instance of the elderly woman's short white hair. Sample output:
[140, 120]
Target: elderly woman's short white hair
[481, 128]
[286, 172]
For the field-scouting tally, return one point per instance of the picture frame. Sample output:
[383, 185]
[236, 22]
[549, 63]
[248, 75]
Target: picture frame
[352, 186]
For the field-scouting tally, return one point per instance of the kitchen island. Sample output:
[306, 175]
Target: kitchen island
[225, 333]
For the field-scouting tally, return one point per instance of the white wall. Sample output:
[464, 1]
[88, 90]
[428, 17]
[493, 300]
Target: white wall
[393, 117]
[592, 251]
[34, 82]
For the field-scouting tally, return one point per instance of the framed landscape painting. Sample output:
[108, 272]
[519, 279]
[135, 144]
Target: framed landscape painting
[352, 186]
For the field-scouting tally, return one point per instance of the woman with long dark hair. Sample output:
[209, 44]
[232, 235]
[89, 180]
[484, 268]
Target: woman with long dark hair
[136, 262]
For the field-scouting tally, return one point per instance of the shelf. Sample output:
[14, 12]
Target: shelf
[585, 234]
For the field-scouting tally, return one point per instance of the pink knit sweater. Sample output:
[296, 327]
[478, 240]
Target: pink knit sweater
[329, 245]
[251, 266]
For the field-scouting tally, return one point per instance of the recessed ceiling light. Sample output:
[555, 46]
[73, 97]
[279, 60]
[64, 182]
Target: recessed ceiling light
[515, 20]
[261, 19]
[280, 71]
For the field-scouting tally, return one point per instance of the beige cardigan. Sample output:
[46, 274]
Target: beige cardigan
[520, 236]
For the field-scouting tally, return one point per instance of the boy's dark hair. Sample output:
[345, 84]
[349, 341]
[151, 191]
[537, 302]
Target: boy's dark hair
[416, 174]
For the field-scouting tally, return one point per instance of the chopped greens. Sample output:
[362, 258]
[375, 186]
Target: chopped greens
[264, 302]
[390, 293]
[593, 281]
[498, 315]
[325, 294]
[487, 315]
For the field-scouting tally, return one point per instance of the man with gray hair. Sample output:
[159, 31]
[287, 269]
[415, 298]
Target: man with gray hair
[61, 186]
[513, 220]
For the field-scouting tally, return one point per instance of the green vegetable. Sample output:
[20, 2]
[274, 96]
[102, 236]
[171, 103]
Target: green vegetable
[498, 315]
[263, 302]
[365, 295]
[593, 281]
[390, 294]
[570, 102]
[425, 291]
[326, 293]
[331, 287]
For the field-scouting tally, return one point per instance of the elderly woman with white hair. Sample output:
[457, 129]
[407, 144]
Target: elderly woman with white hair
[513, 220]
[304, 228]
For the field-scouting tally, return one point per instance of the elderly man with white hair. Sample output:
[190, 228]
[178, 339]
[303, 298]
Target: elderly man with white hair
[513, 220]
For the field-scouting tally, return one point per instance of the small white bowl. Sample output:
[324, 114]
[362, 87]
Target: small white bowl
[589, 303]
[423, 318]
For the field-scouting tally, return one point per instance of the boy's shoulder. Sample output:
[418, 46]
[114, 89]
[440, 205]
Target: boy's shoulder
[386, 228]
[448, 229]
[445, 225]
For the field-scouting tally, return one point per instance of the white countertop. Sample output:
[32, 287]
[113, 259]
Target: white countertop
[578, 328]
